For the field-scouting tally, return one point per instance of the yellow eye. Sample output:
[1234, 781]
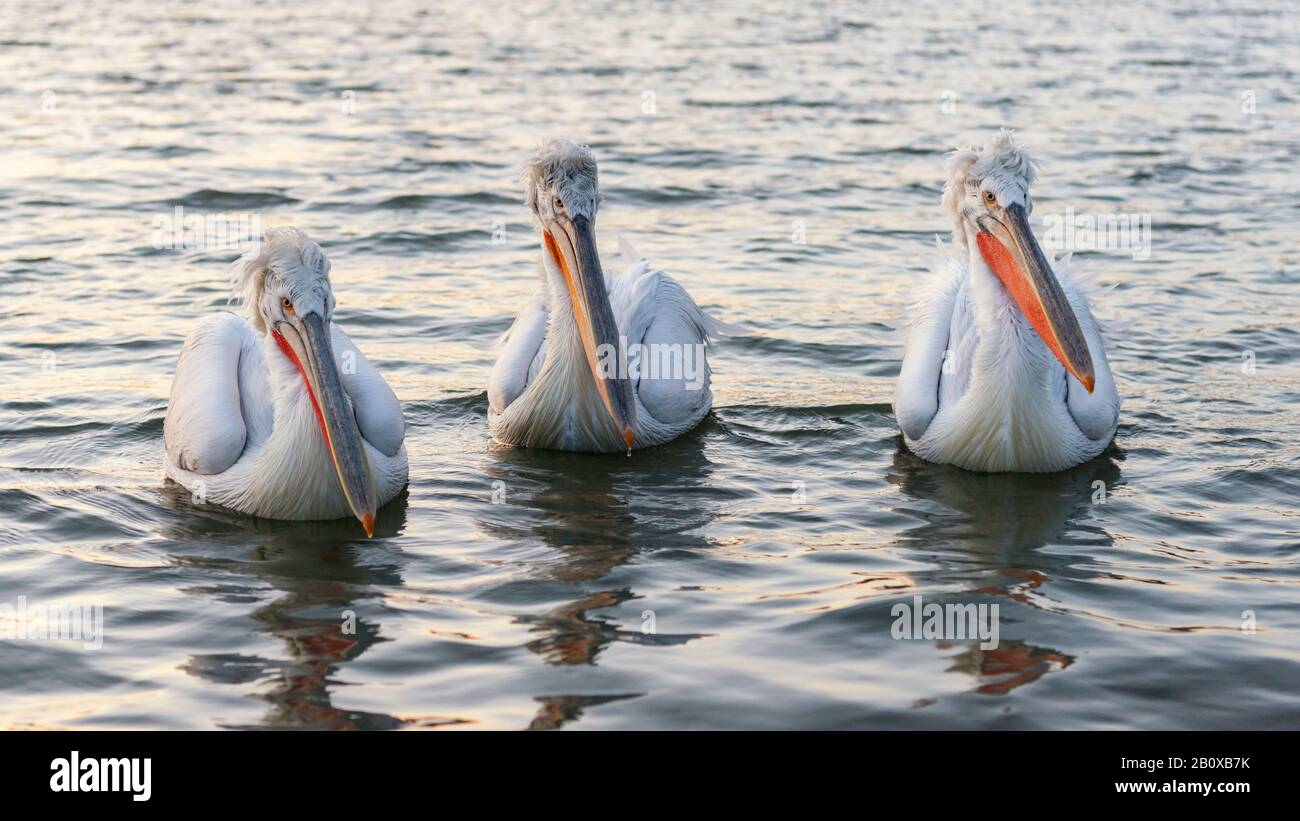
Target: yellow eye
[286, 304]
[990, 198]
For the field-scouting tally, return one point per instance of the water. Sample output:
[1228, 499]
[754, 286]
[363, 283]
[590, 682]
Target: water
[393, 135]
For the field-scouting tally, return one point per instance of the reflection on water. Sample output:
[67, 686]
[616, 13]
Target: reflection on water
[595, 512]
[985, 534]
[556, 711]
[315, 571]
[656, 498]
[784, 161]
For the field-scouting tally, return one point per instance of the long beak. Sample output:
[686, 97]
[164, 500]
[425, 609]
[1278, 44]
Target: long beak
[1012, 252]
[306, 341]
[572, 246]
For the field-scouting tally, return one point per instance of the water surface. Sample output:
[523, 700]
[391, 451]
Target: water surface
[785, 163]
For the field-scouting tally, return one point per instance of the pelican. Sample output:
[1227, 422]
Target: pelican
[1004, 369]
[276, 413]
[590, 363]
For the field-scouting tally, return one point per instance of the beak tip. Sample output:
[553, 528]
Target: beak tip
[628, 436]
[368, 522]
[1089, 382]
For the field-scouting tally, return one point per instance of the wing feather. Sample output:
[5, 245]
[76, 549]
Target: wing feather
[1096, 414]
[205, 430]
[521, 352]
[917, 394]
[377, 410]
[666, 336]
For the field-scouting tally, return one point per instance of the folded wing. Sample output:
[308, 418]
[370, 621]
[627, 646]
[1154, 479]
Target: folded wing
[521, 353]
[1096, 413]
[937, 353]
[666, 334]
[208, 424]
[377, 411]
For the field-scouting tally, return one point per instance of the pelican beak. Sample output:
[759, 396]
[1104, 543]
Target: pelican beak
[571, 243]
[306, 341]
[1011, 251]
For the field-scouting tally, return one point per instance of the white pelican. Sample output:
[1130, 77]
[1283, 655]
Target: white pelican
[1005, 367]
[595, 364]
[277, 414]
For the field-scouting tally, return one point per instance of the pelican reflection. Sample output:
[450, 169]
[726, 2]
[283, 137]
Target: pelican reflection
[596, 513]
[984, 534]
[321, 572]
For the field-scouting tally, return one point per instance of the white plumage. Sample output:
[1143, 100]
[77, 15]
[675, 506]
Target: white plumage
[979, 388]
[541, 393]
[547, 388]
[242, 430]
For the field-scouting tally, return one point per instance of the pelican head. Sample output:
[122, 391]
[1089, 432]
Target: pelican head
[563, 194]
[285, 287]
[987, 196]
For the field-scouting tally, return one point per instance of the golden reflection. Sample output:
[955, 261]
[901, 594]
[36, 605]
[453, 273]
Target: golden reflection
[557, 711]
[594, 512]
[323, 571]
[985, 532]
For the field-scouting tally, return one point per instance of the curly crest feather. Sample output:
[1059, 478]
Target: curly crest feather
[1004, 167]
[286, 254]
[564, 169]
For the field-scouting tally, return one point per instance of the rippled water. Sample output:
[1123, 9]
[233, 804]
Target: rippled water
[393, 134]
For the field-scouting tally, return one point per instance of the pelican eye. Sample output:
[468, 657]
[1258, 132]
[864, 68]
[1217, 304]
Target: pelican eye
[559, 204]
[286, 305]
[990, 198]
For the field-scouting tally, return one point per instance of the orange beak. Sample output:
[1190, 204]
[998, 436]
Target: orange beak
[305, 341]
[572, 248]
[1013, 254]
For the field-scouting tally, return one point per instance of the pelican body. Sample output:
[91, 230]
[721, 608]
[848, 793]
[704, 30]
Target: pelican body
[594, 363]
[276, 413]
[1005, 366]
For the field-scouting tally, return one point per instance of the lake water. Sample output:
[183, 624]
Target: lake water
[784, 164]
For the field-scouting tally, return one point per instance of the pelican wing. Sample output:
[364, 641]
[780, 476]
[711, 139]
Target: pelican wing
[666, 335]
[377, 411]
[1096, 414]
[940, 352]
[942, 329]
[216, 399]
[522, 351]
